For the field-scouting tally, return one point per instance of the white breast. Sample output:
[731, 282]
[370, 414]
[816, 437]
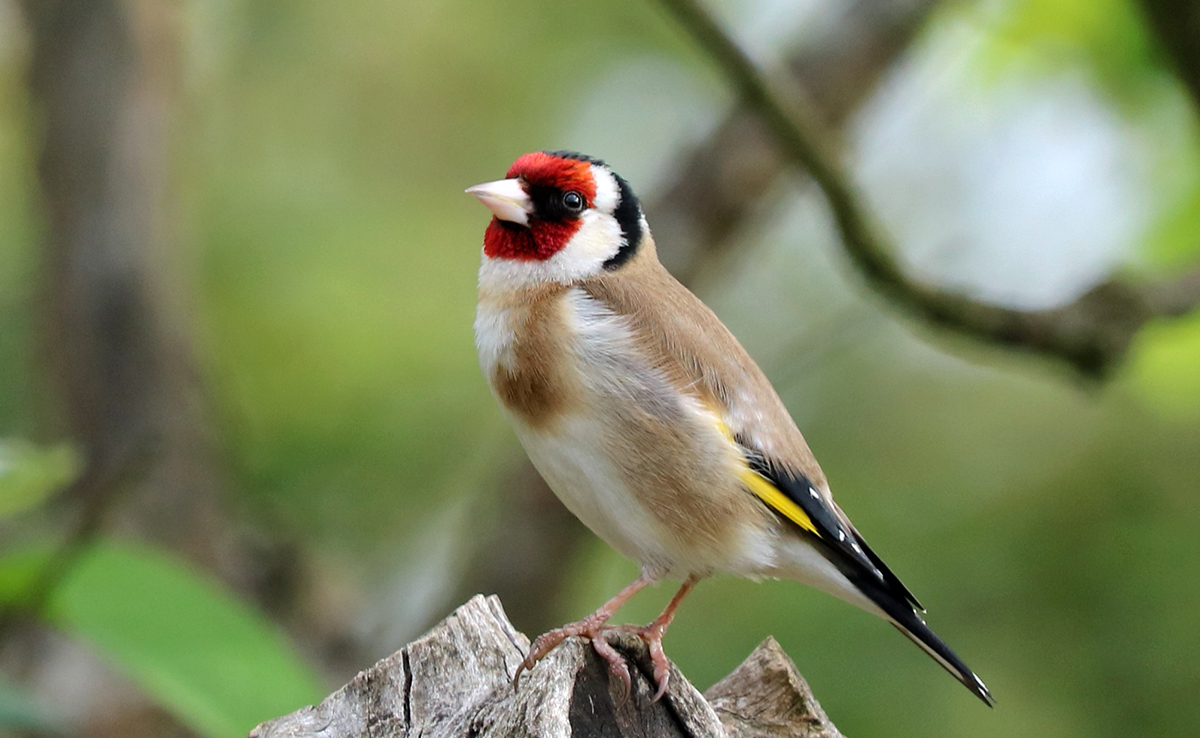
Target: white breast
[578, 471]
[571, 455]
[579, 454]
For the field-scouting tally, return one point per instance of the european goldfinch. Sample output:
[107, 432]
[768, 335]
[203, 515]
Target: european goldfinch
[646, 416]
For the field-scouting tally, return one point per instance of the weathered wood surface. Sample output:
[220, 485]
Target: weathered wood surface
[456, 681]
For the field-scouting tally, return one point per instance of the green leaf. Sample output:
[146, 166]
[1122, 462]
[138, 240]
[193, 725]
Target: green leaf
[18, 569]
[1165, 367]
[215, 663]
[1106, 37]
[1175, 240]
[21, 712]
[28, 474]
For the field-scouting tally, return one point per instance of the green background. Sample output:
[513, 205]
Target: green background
[320, 157]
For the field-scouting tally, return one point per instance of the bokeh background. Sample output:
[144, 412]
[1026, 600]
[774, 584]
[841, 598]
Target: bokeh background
[245, 448]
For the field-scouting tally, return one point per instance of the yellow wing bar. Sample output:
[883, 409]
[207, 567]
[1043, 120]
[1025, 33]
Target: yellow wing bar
[769, 493]
[778, 501]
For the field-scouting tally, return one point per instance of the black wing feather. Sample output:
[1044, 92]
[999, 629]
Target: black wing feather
[842, 545]
[841, 538]
[893, 582]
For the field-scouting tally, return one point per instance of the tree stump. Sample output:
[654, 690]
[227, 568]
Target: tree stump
[456, 682]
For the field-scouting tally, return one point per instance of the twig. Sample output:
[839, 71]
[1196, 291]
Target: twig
[722, 180]
[1091, 335]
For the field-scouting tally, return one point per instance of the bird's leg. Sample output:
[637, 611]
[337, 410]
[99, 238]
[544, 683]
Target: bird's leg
[652, 634]
[592, 628]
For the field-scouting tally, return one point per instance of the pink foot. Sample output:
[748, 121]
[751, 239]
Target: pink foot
[592, 628]
[652, 634]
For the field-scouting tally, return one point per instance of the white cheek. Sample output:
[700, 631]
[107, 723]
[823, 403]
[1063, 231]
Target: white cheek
[597, 240]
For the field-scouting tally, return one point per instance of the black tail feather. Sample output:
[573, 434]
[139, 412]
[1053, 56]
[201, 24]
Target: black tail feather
[909, 622]
[891, 581]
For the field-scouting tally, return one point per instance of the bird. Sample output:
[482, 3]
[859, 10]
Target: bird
[647, 418]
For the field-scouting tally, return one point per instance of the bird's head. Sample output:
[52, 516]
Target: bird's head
[559, 217]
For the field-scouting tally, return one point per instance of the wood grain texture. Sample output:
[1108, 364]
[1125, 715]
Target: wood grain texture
[766, 697]
[456, 681]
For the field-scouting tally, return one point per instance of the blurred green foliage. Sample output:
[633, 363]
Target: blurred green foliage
[1165, 369]
[29, 475]
[339, 255]
[215, 663]
[1173, 243]
[321, 153]
[19, 570]
[1105, 38]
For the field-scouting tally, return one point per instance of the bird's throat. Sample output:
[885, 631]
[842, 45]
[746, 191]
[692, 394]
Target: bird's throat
[540, 241]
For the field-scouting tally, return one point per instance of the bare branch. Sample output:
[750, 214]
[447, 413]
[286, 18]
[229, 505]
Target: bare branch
[1091, 334]
[717, 186]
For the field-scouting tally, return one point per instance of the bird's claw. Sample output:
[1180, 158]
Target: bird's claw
[617, 666]
[544, 644]
[591, 628]
[652, 635]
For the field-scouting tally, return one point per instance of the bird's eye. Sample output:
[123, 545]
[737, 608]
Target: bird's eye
[573, 201]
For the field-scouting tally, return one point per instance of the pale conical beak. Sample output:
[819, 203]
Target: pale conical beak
[506, 198]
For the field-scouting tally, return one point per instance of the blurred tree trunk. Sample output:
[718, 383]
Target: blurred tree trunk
[526, 553]
[104, 79]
